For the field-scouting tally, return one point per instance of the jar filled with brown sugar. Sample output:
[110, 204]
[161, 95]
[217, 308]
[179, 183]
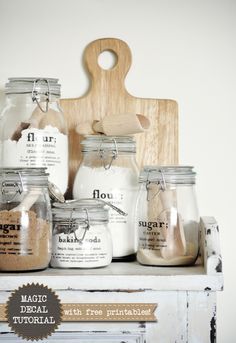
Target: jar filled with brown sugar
[25, 219]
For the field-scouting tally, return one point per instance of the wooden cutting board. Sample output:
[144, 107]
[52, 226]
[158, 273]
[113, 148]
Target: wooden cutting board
[108, 96]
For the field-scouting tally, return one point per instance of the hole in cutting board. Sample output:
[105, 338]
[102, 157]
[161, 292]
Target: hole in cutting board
[107, 59]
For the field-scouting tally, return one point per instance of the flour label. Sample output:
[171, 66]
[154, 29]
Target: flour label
[117, 185]
[39, 148]
[121, 226]
[120, 199]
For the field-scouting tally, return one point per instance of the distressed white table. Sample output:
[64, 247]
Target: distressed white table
[186, 297]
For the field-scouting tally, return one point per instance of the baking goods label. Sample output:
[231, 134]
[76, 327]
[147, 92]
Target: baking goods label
[94, 251]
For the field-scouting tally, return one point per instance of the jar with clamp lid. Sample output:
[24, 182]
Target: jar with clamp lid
[33, 130]
[109, 171]
[167, 216]
[81, 237]
[25, 219]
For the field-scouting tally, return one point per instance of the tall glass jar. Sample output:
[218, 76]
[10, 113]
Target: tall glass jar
[81, 236]
[109, 172]
[33, 130]
[25, 219]
[167, 216]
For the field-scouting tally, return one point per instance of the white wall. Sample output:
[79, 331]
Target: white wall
[182, 49]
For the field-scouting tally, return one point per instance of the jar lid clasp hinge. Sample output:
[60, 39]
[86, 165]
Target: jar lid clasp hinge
[161, 183]
[8, 186]
[35, 94]
[113, 157]
[86, 228]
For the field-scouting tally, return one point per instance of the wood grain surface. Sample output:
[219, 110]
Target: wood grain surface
[108, 96]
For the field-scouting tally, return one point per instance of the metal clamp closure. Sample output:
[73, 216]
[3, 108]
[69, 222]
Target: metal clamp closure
[8, 187]
[114, 154]
[71, 225]
[160, 183]
[86, 228]
[35, 94]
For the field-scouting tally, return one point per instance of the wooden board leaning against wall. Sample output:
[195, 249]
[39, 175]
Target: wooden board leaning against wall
[108, 96]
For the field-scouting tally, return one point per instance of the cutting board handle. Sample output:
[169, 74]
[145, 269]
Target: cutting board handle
[119, 70]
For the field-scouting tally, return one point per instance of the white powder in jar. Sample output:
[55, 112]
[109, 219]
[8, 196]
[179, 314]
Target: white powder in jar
[119, 186]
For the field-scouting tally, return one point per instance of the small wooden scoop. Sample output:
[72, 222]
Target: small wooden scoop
[116, 125]
[175, 237]
[39, 120]
[28, 201]
[174, 234]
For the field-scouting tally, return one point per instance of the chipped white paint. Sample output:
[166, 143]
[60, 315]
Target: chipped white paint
[186, 298]
[201, 317]
[212, 259]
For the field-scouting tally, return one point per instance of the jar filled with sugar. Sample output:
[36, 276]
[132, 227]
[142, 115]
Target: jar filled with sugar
[81, 236]
[33, 130]
[109, 171]
[25, 219]
[167, 216]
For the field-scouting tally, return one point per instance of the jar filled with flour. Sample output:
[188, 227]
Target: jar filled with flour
[25, 219]
[109, 172]
[81, 237]
[33, 130]
[167, 216]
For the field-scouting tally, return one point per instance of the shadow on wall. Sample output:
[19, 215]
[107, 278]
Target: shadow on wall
[2, 99]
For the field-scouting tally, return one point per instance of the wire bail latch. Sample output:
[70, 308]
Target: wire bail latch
[35, 94]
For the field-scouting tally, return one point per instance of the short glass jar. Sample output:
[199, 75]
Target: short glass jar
[109, 171]
[25, 219]
[81, 237]
[33, 130]
[167, 216]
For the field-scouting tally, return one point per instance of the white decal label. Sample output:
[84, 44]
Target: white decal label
[40, 148]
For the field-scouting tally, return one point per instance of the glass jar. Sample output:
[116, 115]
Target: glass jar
[25, 219]
[33, 130]
[108, 171]
[81, 237]
[167, 216]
